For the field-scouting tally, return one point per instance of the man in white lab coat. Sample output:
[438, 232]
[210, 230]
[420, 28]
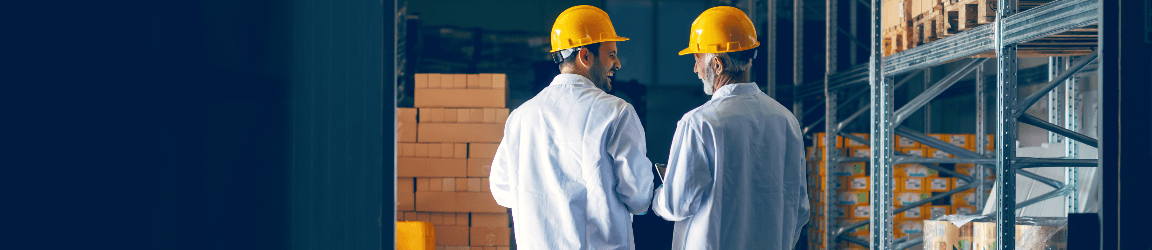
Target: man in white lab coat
[572, 164]
[736, 175]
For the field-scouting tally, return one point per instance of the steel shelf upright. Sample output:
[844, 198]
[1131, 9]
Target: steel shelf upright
[1003, 36]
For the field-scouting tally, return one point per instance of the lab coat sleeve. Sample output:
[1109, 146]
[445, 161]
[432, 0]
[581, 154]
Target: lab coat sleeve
[633, 170]
[500, 178]
[803, 210]
[688, 177]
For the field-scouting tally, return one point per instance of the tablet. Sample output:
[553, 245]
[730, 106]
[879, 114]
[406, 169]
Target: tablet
[660, 170]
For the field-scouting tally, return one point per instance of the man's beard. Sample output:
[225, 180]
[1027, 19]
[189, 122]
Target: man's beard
[709, 76]
[600, 76]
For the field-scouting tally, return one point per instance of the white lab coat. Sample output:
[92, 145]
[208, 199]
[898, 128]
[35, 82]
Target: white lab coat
[572, 168]
[736, 177]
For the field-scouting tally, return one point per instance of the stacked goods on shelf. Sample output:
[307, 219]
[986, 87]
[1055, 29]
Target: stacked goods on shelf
[445, 153]
[1031, 233]
[912, 183]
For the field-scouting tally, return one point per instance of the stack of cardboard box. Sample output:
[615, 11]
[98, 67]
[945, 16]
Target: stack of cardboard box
[446, 148]
[912, 183]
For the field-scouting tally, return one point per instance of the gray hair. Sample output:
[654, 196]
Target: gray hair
[735, 65]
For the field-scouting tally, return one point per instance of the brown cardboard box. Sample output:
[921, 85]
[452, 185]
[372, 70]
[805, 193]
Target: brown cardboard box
[459, 81]
[448, 132]
[820, 140]
[432, 150]
[482, 150]
[490, 220]
[903, 143]
[437, 202]
[477, 203]
[451, 235]
[461, 185]
[485, 81]
[939, 184]
[461, 98]
[854, 143]
[406, 131]
[473, 81]
[435, 184]
[462, 219]
[491, 236]
[474, 185]
[857, 183]
[479, 167]
[405, 194]
[421, 81]
[406, 115]
[942, 234]
[431, 167]
[912, 184]
[858, 212]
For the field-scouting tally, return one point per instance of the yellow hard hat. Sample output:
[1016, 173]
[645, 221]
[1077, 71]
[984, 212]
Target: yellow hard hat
[582, 25]
[721, 29]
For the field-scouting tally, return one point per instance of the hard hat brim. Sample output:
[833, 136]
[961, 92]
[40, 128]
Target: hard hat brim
[689, 50]
[614, 39]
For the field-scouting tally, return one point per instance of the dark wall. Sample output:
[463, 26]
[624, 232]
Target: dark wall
[178, 124]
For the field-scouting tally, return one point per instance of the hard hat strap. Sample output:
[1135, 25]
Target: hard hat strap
[559, 56]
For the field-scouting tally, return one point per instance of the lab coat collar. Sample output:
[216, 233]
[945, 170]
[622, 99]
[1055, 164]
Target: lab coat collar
[736, 89]
[565, 78]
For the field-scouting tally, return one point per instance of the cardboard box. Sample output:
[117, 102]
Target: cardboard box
[405, 194]
[457, 202]
[911, 184]
[851, 169]
[857, 183]
[913, 170]
[942, 234]
[903, 143]
[820, 140]
[939, 184]
[451, 235]
[916, 213]
[854, 143]
[474, 185]
[406, 115]
[482, 150]
[491, 236]
[859, 152]
[970, 170]
[431, 167]
[936, 153]
[907, 198]
[964, 198]
[939, 210]
[479, 167]
[964, 209]
[918, 152]
[479, 203]
[490, 220]
[991, 143]
[432, 150]
[906, 227]
[473, 81]
[460, 98]
[1031, 233]
[849, 198]
[406, 131]
[858, 212]
[457, 132]
[421, 81]
[464, 115]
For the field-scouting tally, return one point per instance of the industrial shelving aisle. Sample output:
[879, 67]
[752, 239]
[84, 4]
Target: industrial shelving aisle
[1003, 36]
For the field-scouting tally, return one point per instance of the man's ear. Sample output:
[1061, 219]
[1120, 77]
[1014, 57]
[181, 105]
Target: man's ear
[717, 64]
[584, 58]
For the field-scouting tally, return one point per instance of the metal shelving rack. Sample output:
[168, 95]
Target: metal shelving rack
[1009, 30]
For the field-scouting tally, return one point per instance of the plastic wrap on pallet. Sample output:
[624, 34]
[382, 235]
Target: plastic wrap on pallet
[1031, 233]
